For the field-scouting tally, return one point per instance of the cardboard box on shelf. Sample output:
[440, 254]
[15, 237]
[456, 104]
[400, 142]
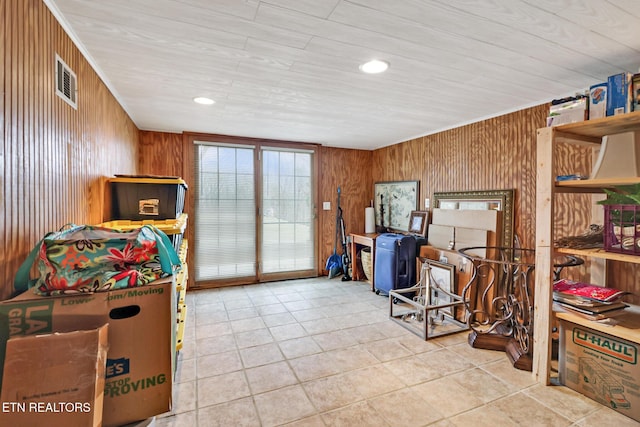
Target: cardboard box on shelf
[139, 369]
[598, 101]
[619, 94]
[569, 110]
[55, 379]
[600, 366]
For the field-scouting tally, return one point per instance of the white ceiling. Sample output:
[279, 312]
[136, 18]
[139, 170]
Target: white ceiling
[288, 69]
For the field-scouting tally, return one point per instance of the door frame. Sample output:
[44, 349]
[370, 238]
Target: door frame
[188, 175]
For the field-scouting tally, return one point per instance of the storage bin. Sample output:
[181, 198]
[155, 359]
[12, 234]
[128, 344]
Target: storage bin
[173, 228]
[365, 257]
[622, 229]
[139, 198]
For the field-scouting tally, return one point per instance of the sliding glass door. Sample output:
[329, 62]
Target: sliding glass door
[254, 213]
[288, 232]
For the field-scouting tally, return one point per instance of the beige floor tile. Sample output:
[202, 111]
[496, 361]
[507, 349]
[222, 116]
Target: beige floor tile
[264, 310]
[184, 397]
[267, 299]
[448, 396]
[366, 333]
[216, 364]
[411, 370]
[237, 302]
[330, 393]
[313, 366]
[253, 338]
[278, 319]
[528, 412]
[483, 416]
[334, 340]
[299, 347]
[504, 370]
[287, 332]
[222, 388]
[213, 330]
[563, 400]
[444, 362]
[211, 317]
[261, 355]
[283, 406]
[298, 305]
[242, 313]
[320, 326]
[185, 419]
[405, 380]
[604, 417]
[359, 414]
[309, 314]
[476, 355]
[416, 344]
[215, 345]
[313, 421]
[249, 324]
[241, 412]
[185, 370]
[348, 359]
[373, 381]
[289, 296]
[482, 384]
[387, 349]
[270, 377]
[404, 408]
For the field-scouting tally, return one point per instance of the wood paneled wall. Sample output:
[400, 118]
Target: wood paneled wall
[497, 153]
[351, 171]
[55, 159]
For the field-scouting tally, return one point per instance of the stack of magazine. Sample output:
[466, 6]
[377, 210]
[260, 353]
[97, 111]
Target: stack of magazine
[589, 301]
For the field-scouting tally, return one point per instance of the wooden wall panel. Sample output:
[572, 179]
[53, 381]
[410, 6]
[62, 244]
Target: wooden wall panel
[351, 170]
[161, 153]
[55, 159]
[492, 154]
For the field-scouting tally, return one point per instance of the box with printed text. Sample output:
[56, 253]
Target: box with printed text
[139, 366]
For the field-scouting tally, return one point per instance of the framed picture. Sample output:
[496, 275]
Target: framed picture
[500, 200]
[394, 202]
[418, 222]
[443, 284]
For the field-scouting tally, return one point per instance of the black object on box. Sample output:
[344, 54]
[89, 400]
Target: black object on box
[139, 198]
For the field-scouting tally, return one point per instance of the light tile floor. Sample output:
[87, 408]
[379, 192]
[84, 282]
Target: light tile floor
[320, 352]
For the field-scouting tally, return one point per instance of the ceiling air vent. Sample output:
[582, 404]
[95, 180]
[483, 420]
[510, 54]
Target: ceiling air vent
[66, 83]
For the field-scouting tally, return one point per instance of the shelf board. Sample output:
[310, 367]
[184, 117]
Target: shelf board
[627, 327]
[600, 253]
[596, 184]
[598, 128]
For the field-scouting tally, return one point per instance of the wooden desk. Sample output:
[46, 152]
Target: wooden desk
[364, 239]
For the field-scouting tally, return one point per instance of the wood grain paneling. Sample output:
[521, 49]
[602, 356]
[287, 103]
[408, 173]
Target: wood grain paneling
[161, 153]
[351, 171]
[55, 159]
[497, 153]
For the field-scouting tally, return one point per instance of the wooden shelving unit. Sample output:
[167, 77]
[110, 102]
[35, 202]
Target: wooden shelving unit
[588, 133]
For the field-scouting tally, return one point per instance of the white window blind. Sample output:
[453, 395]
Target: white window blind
[225, 212]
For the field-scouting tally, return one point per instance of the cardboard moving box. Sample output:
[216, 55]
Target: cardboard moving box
[142, 327]
[600, 366]
[54, 379]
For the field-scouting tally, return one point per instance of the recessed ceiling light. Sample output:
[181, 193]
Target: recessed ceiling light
[204, 101]
[374, 66]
